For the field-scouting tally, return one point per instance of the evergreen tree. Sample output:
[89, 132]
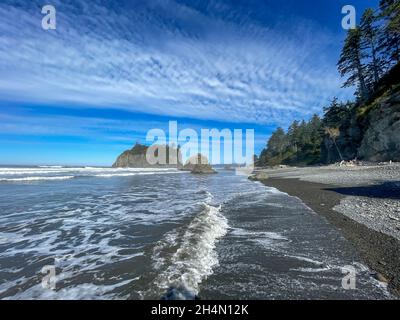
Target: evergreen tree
[390, 39]
[294, 136]
[335, 113]
[370, 34]
[301, 144]
[350, 63]
[316, 129]
[277, 143]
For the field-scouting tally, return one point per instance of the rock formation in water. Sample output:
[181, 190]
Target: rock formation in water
[168, 156]
[193, 161]
[198, 164]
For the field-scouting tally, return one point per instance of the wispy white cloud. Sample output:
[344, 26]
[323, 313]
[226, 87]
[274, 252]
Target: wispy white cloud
[165, 58]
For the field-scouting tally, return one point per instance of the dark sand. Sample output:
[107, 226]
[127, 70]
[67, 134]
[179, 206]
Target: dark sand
[379, 251]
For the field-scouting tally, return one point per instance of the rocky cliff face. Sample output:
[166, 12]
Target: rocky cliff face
[348, 143]
[136, 158]
[371, 133]
[129, 160]
[381, 141]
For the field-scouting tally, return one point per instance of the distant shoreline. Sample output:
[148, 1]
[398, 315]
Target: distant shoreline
[379, 250]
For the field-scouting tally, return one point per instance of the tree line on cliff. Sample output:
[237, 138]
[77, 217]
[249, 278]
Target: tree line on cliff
[370, 62]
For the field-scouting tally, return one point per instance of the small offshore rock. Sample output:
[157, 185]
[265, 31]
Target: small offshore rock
[259, 176]
[199, 165]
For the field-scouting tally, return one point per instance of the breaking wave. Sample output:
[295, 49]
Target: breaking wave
[36, 178]
[44, 173]
[195, 256]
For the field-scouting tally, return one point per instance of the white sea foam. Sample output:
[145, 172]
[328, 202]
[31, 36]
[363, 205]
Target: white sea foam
[84, 291]
[15, 172]
[83, 253]
[111, 175]
[50, 166]
[170, 240]
[306, 259]
[320, 266]
[312, 270]
[195, 257]
[269, 240]
[62, 173]
[26, 179]
[76, 169]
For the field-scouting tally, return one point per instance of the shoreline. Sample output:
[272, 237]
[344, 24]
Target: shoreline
[378, 250]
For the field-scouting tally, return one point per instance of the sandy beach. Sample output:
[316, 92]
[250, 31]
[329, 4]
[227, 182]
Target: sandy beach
[363, 202]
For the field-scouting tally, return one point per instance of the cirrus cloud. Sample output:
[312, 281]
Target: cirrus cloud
[167, 58]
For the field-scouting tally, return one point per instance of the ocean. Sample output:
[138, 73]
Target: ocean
[166, 234]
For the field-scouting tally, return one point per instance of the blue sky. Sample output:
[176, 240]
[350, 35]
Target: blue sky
[112, 70]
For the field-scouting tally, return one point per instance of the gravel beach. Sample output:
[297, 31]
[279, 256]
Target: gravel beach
[363, 202]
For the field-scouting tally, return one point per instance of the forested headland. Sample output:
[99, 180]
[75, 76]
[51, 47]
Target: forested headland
[367, 128]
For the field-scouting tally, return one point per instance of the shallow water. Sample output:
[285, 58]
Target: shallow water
[148, 234]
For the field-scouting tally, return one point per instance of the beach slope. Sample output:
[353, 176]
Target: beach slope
[363, 202]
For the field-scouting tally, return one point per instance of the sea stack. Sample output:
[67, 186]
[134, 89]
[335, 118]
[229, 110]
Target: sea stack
[169, 156]
[198, 164]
